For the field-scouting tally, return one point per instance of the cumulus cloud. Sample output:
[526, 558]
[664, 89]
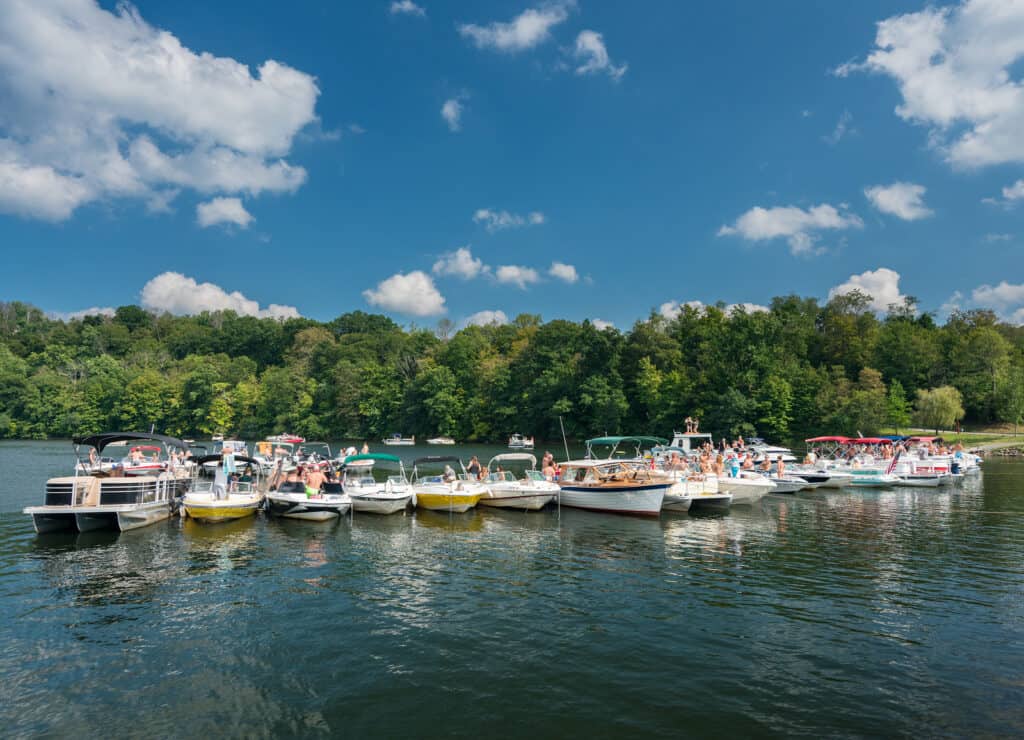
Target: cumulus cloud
[601, 324]
[1000, 297]
[527, 30]
[672, 309]
[93, 311]
[175, 293]
[592, 56]
[883, 285]
[498, 220]
[798, 226]
[901, 199]
[955, 68]
[1012, 195]
[452, 111]
[486, 318]
[562, 271]
[407, 7]
[223, 211]
[88, 91]
[993, 238]
[413, 294]
[460, 263]
[516, 275]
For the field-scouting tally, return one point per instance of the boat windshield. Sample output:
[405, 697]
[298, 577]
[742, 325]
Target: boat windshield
[535, 475]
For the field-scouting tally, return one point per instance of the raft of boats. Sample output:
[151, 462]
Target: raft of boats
[638, 475]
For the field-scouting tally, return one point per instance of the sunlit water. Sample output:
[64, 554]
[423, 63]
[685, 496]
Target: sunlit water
[843, 613]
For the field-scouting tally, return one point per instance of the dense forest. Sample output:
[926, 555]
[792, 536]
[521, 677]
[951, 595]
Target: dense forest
[800, 368]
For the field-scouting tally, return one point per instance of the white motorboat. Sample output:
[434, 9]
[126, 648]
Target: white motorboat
[237, 447]
[614, 486]
[397, 440]
[788, 483]
[689, 442]
[762, 449]
[519, 442]
[872, 478]
[370, 496]
[110, 499]
[294, 501]
[452, 492]
[747, 487]
[694, 490]
[440, 441]
[529, 493]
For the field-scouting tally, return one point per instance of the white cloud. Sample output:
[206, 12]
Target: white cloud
[883, 285]
[841, 130]
[407, 7]
[93, 311]
[671, 309]
[593, 55]
[564, 272]
[601, 324]
[999, 297]
[460, 263]
[1011, 195]
[901, 199]
[954, 67]
[993, 238]
[798, 226]
[486, 318]
[223, 211]
[414, 294]
[528, 29]
[451, 112]
[516, 275]
[178, 294]
[498, 220]
[87, 92]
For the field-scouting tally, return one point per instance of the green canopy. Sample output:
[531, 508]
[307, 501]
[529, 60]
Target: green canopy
[620, 440]
[383, 457]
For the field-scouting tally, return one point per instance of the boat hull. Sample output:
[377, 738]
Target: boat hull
[641, 500]
[521, 499]
[298, 506]
[745, 490]
[920, 481]
[719, 500]
[122, 517]
[453, 502]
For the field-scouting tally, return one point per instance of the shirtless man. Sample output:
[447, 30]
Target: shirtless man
[314, 478]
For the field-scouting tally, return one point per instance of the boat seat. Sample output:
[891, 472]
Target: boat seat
[332, 488]
[292, 487]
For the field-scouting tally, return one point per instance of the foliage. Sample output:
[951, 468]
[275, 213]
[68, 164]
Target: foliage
[795, 370]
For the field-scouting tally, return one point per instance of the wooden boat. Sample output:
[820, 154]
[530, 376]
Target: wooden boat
[615, 486]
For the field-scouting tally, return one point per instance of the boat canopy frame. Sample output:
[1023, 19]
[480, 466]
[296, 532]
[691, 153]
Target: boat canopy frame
[616, 442]
[104, 439]
[514, 457]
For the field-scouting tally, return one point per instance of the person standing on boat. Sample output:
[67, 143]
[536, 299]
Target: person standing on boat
[689, 425]
[780, 467]
[366, 448]
[228, 463]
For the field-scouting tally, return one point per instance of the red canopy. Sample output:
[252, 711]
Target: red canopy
[871, 441]
[840, 440]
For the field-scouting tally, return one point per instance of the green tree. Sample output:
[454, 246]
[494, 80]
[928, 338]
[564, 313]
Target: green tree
[938, 408]
[897, 406]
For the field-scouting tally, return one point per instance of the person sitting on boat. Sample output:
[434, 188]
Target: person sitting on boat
[810, 458]
[449, 474]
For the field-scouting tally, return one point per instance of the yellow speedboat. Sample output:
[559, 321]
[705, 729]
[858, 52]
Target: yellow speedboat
[221, 499]
[447, 492]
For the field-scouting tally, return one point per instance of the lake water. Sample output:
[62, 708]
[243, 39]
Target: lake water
[894, 612]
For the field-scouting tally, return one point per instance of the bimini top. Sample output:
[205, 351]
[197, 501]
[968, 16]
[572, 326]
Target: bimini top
[381, 456]
[840, 440]
[217, 458]
[436, 459]
[510, 456]
[871, 441]
[620, 440]
[99, 441]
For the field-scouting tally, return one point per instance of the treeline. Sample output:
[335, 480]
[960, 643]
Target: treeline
[799, 369]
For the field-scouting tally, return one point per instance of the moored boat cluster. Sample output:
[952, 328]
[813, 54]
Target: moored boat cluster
[160, 476]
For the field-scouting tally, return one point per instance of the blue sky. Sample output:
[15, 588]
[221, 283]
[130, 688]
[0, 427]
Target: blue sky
[632, 144]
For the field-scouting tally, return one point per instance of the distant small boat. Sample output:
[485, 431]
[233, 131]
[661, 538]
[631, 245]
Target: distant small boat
[292, 439]
[398, 439]
[217, 438]
[440, 441]
[519, 442]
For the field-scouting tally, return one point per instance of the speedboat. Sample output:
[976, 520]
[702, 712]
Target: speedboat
[616, 486]
[440, 441]
[788, 483]
[531, 492]
[519, 442]
[226, 496]
[371, 496]
[109, 498]
[694, 489]
[747, 487]
[292, 439]
[872, 478]
[398, 440]
[294, 501]
[451, 492]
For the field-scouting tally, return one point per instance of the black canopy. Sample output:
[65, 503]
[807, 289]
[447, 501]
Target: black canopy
[436, 459]
[216, 458]
[99, 441]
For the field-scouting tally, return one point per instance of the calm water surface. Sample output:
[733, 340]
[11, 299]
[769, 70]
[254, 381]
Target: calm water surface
[842, 614]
